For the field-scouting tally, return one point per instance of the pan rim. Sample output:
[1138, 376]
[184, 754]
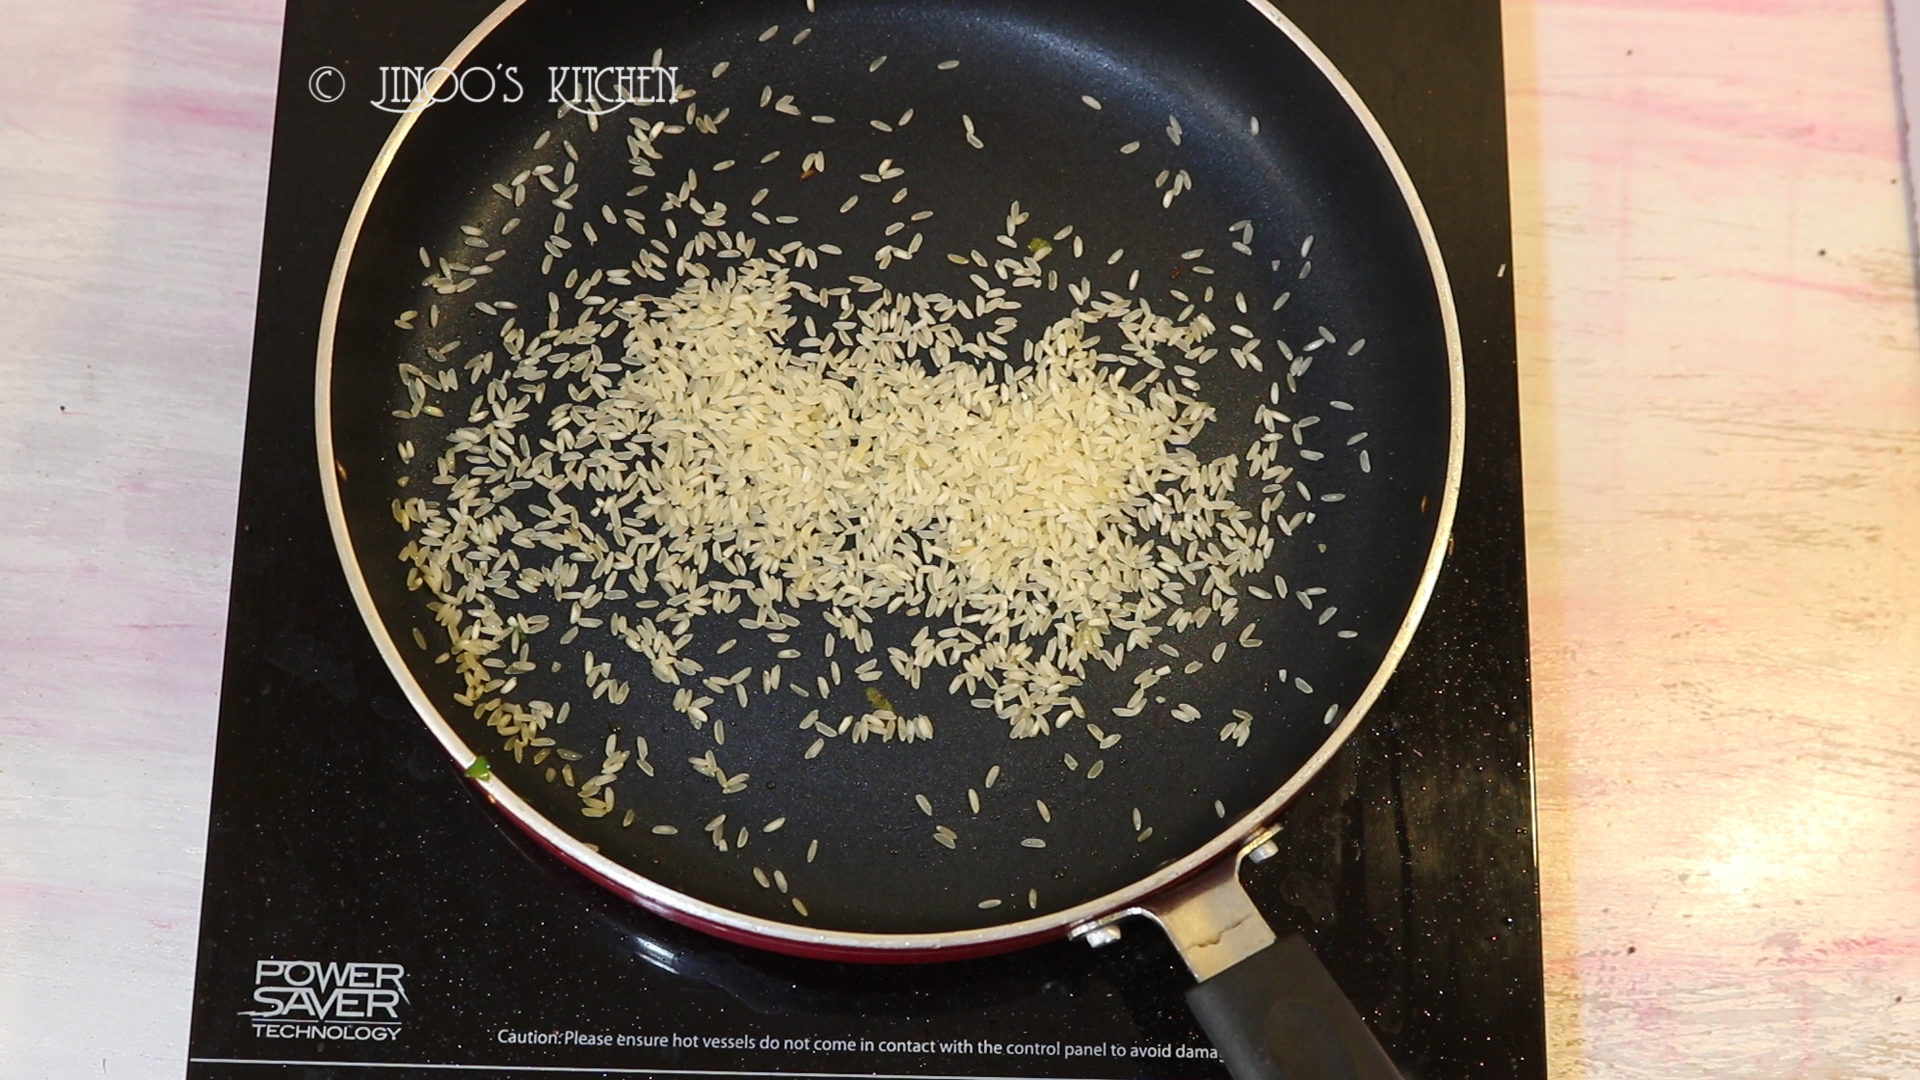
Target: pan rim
[790, 937]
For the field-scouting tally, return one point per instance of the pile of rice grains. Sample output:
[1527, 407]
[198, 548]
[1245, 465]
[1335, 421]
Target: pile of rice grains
[730, 434]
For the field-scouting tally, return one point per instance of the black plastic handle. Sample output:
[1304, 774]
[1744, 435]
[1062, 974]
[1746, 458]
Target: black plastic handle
[1278, 1015]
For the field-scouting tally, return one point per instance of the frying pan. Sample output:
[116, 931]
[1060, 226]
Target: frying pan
[1227, 102]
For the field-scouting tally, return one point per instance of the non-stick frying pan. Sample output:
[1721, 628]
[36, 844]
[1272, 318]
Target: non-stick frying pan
[1293, 221]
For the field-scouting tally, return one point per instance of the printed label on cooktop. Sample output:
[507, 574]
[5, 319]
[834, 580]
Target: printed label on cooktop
[355, 1001]
[817, 1044]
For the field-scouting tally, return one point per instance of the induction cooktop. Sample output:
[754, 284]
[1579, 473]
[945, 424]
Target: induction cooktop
[366, 913]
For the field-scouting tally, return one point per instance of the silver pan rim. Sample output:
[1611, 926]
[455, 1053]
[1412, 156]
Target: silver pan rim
[877, 946]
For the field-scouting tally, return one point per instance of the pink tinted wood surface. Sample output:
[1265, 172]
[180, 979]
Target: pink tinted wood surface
[1722, 445]
[133, 154]
[1723, 473]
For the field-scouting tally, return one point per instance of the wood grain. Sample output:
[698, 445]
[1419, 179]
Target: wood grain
[1722, 420]
[1722, 446]
[133, 151]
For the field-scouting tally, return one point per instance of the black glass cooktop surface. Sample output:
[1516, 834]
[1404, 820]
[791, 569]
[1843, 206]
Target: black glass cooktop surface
[366, 913]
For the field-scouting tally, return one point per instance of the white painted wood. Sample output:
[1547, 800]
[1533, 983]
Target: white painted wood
[133, 152]
[1722, 446]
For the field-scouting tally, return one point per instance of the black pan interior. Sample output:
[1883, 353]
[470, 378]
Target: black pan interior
[1311, 171]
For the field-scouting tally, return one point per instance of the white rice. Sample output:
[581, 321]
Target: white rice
[1015, 501]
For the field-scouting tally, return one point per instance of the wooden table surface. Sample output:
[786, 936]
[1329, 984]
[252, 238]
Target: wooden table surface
[1721, 384]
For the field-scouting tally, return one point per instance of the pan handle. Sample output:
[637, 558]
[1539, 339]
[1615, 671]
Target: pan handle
[1269, 1006]
[1278, 1015]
